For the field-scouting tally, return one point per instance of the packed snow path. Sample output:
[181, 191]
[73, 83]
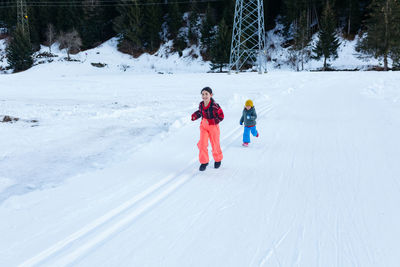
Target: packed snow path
[319, 187]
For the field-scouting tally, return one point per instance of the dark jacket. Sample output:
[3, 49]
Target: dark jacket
[213, 112]
[249, 117]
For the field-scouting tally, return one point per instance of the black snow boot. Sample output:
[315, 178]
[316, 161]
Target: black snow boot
[203, 166]
[217, 164]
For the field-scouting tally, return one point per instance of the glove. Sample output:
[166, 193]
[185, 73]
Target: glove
[241, 123]
[248, 117]
[193, 118]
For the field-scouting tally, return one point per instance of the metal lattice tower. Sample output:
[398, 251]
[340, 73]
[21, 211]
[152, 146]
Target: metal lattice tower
[248, 36]
[22, 16]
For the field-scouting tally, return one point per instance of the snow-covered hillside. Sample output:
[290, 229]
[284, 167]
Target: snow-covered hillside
[107, 175]
[106, 58]
[348, 58]
[3, 56]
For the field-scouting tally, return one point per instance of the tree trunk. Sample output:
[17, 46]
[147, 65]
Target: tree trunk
[348, 26]
[308, 19]
[349, 22]
[386, 13]
[324, 63]
[302, 58]
[385, 63]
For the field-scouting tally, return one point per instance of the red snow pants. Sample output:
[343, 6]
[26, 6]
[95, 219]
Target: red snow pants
[207, 132]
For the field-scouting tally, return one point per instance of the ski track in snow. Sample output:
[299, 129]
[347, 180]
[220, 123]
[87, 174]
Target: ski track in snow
[92, 235]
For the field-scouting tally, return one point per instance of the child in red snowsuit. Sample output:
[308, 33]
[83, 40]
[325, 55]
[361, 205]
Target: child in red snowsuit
[212, 115]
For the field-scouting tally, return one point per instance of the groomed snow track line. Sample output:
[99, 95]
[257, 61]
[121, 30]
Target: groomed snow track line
[76, 245]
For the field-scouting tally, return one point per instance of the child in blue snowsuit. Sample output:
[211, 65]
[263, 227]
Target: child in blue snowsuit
[249, 117]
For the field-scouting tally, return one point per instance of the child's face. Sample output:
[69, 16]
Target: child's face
[248, 107]
[206, 96]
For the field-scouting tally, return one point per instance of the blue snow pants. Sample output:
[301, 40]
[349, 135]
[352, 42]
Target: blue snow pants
[246, 133]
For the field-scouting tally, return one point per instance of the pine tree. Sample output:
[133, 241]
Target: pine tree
[351, 12]
[93, 24]
[396, 58]
[128, 26]
[7, 17]
[294, 8]
[226, 10]
[174, 20]
[180, 43]
[50, 35]
[35, 27]
[383, 30]
[19, 51]
[207, 29]
[272, 8]
[301, 37]
[328, 42]
[152, 26]
[40, 16]
[193, 19]
[221, 47]
[68, 17]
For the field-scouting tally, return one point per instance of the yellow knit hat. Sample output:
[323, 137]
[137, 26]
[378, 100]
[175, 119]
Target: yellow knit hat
[249, 103]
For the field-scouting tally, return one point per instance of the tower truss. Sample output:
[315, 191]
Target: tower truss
[248, 45]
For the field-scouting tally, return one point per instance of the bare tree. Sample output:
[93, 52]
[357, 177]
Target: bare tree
[71, 41]
[50, 35]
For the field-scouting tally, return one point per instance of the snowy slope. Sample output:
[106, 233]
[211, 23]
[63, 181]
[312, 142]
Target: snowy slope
[163, 61]
[3, 58]
[109, 176]
[166, 61]
[348, 58]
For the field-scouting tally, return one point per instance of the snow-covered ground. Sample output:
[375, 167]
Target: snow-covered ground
[101, 168]
[108, 175]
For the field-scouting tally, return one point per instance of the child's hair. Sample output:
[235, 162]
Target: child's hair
[208, 89]
[249, 103]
